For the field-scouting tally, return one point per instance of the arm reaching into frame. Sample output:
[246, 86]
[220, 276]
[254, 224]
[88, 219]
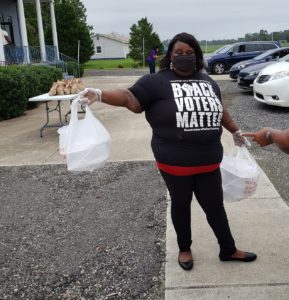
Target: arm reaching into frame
[267, 136]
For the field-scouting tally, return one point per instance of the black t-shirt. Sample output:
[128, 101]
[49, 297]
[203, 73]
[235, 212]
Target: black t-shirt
[185, 115]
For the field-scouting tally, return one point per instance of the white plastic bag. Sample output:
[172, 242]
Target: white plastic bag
[62, 140]
[240, 174]
[84, 143]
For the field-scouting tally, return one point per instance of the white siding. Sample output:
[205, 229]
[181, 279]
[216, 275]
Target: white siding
[109, 48]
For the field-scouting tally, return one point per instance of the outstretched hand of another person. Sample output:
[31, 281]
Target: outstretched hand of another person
[262, 137]
[268, 136]
[89, 96]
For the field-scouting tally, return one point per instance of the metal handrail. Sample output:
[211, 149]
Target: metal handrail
[15, 55]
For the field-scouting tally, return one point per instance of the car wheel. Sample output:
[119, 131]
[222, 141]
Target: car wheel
[219, 68]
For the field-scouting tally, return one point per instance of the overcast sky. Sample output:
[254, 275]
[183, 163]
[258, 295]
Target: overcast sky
[205, 19]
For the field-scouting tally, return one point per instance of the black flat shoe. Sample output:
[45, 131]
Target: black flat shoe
[186, 265]
[247, 258]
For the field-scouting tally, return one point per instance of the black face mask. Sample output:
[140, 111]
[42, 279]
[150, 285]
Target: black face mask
[185, 63]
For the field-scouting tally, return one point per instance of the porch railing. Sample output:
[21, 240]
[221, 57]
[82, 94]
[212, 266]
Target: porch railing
[31, 55]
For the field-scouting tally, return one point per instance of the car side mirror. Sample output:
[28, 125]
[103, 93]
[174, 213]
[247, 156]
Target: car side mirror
[269, 58]
[230, 53]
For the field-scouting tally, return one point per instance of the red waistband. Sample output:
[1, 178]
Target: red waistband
[186, 171]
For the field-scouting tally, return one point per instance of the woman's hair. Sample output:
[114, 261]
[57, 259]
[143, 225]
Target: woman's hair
[191, 41]
[156, 47]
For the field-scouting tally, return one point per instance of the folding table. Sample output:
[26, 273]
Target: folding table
[59, 98]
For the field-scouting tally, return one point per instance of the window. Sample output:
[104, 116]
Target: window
[253, 47]
[236, 49]
[98, 49]
[268, 46]
[283, 53]
[241, 48]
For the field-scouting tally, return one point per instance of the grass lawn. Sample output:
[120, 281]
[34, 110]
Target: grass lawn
[112, 64]
[210, 48]
[108, 64]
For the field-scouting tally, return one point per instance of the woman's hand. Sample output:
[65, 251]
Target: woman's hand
[89, 96]
[239, 139]
[231, 126]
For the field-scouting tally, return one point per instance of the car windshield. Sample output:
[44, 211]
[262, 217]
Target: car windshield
[222, 49]
[264, 54]
[284, 58]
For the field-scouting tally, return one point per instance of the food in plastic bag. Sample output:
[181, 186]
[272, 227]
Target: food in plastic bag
[66, 87]
[79, 84]
[84, 143]
[240, 174]
[60, 88]
[52, 91]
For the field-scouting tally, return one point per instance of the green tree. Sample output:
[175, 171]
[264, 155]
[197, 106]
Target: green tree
[71, 27]
[264, 35]
[276, 36]
[142, 33]
[252, 37]
[285, 35]
[31, 22]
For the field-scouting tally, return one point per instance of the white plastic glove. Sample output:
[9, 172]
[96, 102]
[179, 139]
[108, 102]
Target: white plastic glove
[89, 96]
[240, 140]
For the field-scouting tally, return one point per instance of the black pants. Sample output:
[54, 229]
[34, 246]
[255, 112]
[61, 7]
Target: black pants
[208, 191]
[152, 66]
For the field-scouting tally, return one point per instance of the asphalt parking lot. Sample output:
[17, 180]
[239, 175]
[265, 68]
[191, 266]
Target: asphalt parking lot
[89, 236]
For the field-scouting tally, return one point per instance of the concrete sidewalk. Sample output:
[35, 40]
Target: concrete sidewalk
[260, 224]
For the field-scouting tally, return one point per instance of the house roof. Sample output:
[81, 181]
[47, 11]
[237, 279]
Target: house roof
[115, 36]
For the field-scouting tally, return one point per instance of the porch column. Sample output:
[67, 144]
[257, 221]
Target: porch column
[23, 30]
[2, 56]
[40, 31]
[54, 29]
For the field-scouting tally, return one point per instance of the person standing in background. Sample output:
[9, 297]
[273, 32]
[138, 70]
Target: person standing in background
[5, 37]
[7, 44]
[152, 59]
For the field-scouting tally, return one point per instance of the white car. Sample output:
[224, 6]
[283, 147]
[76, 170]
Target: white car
[272, 84]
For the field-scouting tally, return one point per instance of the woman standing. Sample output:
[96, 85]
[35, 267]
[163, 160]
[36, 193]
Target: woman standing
[184, 109]
[152, 59]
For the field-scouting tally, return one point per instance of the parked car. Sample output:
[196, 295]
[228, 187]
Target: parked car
[222, 60]
[272, 84]
[269, 55]
[247, 76]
